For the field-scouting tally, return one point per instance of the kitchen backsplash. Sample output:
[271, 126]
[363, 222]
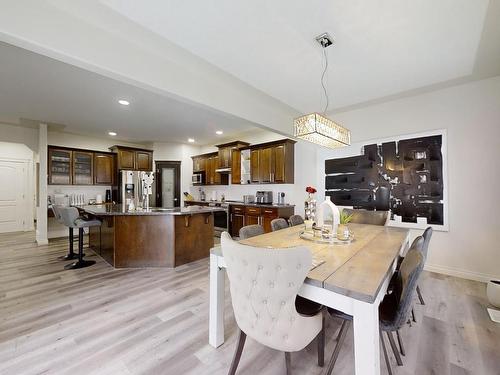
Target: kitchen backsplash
[89, 192]
[236, 192]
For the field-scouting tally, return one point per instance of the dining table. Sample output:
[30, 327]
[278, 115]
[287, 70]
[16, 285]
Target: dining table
[350, 276]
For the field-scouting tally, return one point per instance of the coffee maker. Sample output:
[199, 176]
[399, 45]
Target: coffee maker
[264, 197]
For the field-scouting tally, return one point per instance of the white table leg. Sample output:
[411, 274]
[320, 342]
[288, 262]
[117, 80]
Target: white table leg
[216, 315]
[366, 338]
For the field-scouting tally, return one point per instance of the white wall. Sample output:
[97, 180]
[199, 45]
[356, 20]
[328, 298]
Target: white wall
[471, 115]
[56, 138]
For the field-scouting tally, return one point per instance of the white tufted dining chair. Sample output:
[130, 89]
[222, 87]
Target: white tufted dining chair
[264, 284]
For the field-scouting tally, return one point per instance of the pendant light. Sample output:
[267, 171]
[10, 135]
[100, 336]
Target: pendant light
[317, 128]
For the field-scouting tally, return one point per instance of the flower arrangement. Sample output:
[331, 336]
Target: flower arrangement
[310, 190]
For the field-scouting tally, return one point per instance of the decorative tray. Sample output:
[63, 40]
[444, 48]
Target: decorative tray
[309, 236]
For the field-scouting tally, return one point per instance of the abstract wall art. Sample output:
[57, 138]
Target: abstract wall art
[404, 176]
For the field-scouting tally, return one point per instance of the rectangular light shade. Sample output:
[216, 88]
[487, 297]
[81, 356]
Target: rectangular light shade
[321, 130]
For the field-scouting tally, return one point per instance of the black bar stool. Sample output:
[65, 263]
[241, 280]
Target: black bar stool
[57, 214]
[70, 217]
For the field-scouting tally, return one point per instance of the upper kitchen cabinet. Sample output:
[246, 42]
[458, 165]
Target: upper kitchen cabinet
[198, 164]
[272, 162]
[60, 166]
[83, 168]
[70, 166]
[104, 169]
[226, 154]
[133, 158]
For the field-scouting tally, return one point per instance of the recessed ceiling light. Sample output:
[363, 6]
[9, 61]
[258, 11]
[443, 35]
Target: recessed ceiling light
[112, 134]
[219, 132]
[123, 102]
[190, 140]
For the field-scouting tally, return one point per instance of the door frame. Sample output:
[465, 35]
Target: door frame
[176, 165]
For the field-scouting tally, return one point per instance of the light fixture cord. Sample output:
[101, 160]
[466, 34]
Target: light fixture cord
[322, 80]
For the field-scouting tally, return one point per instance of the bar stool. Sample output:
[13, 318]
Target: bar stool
[71, 219]
[57, 215]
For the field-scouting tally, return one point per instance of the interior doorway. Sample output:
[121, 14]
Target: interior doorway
[15, 211]
[168, 184]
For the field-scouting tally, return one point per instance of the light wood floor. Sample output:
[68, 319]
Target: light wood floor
[99, 320]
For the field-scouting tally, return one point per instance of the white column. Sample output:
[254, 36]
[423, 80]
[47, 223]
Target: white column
[216, 315]
[41, 208]
[366, 338]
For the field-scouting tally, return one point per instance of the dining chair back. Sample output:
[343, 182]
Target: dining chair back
[278, 224]
[57, 213]
[427, 238]
[263, 284]
[395, 308]
[295, 220]
[251, 231]
[367, 217]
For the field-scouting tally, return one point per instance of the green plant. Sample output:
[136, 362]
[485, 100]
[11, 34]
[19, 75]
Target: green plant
[345, 218]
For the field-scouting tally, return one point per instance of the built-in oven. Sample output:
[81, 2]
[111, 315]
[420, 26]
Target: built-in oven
[197, 178]
[221, 218]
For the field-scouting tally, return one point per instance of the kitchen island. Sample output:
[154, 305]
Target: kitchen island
[157, 237]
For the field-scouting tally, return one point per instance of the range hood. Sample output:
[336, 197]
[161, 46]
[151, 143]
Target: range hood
[223, 170]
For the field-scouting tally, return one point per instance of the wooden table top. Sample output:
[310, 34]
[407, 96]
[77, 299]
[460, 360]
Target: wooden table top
[357, 270]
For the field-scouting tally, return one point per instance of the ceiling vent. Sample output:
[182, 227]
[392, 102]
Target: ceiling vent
[325, 40]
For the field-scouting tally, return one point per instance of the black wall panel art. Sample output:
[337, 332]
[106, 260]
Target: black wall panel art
[405, 177]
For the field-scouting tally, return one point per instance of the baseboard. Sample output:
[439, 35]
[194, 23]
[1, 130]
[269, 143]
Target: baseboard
[42, 242]
[464, 274]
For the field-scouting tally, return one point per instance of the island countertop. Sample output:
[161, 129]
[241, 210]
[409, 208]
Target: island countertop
[121, 210]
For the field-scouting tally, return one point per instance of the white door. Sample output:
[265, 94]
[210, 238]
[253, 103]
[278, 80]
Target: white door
[12, 196]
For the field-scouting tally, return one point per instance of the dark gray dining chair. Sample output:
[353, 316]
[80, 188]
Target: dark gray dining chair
[394, 310]
[295, 220]
[367, 217]
[278, 224]
[251, 231]
[71, 218]
[57, 215]
[425, 248]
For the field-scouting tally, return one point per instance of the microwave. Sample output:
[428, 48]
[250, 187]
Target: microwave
[197, 178]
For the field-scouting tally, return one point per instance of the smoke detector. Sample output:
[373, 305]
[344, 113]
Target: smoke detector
[325, 40]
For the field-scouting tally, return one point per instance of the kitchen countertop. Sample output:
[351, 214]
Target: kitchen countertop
[241, 203]
[120, 210]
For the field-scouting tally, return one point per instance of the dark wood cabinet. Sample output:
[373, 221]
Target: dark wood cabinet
[225, 153]
[60, 166]
[133, 158]
[199, 164]
[70, 166]
[143, 161]
[126, 159]
[208, 163]
[273, 162]
[104, 169]
[254, 166]
[237, 219]
[83, 163]
[236, 166]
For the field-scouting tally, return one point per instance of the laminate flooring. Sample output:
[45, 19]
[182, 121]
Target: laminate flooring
[99, 320]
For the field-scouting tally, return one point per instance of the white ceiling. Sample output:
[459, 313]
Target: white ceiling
[381, 47]
[35, 87]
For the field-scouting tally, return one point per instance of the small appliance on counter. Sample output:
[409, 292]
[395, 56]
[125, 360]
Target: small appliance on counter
[98, 199]
[264, 197]
[202, 196]
[108, 196]
[248, 199]
[281, 198]
[214, 195]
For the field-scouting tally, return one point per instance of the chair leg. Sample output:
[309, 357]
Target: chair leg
[400, 342]
[394, 348]
[80, 263]
[419, 293]
[237, 354]
[288, 363]
[413, 315]
[321, 343]
[71, 254]
[386, 356]
[341, 337]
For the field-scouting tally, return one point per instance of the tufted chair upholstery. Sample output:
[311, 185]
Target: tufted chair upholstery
[263, 284]
[278, 224]
[367, 217]
[295, 220]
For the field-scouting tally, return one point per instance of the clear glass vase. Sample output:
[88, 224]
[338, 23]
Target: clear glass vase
[310, 207]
